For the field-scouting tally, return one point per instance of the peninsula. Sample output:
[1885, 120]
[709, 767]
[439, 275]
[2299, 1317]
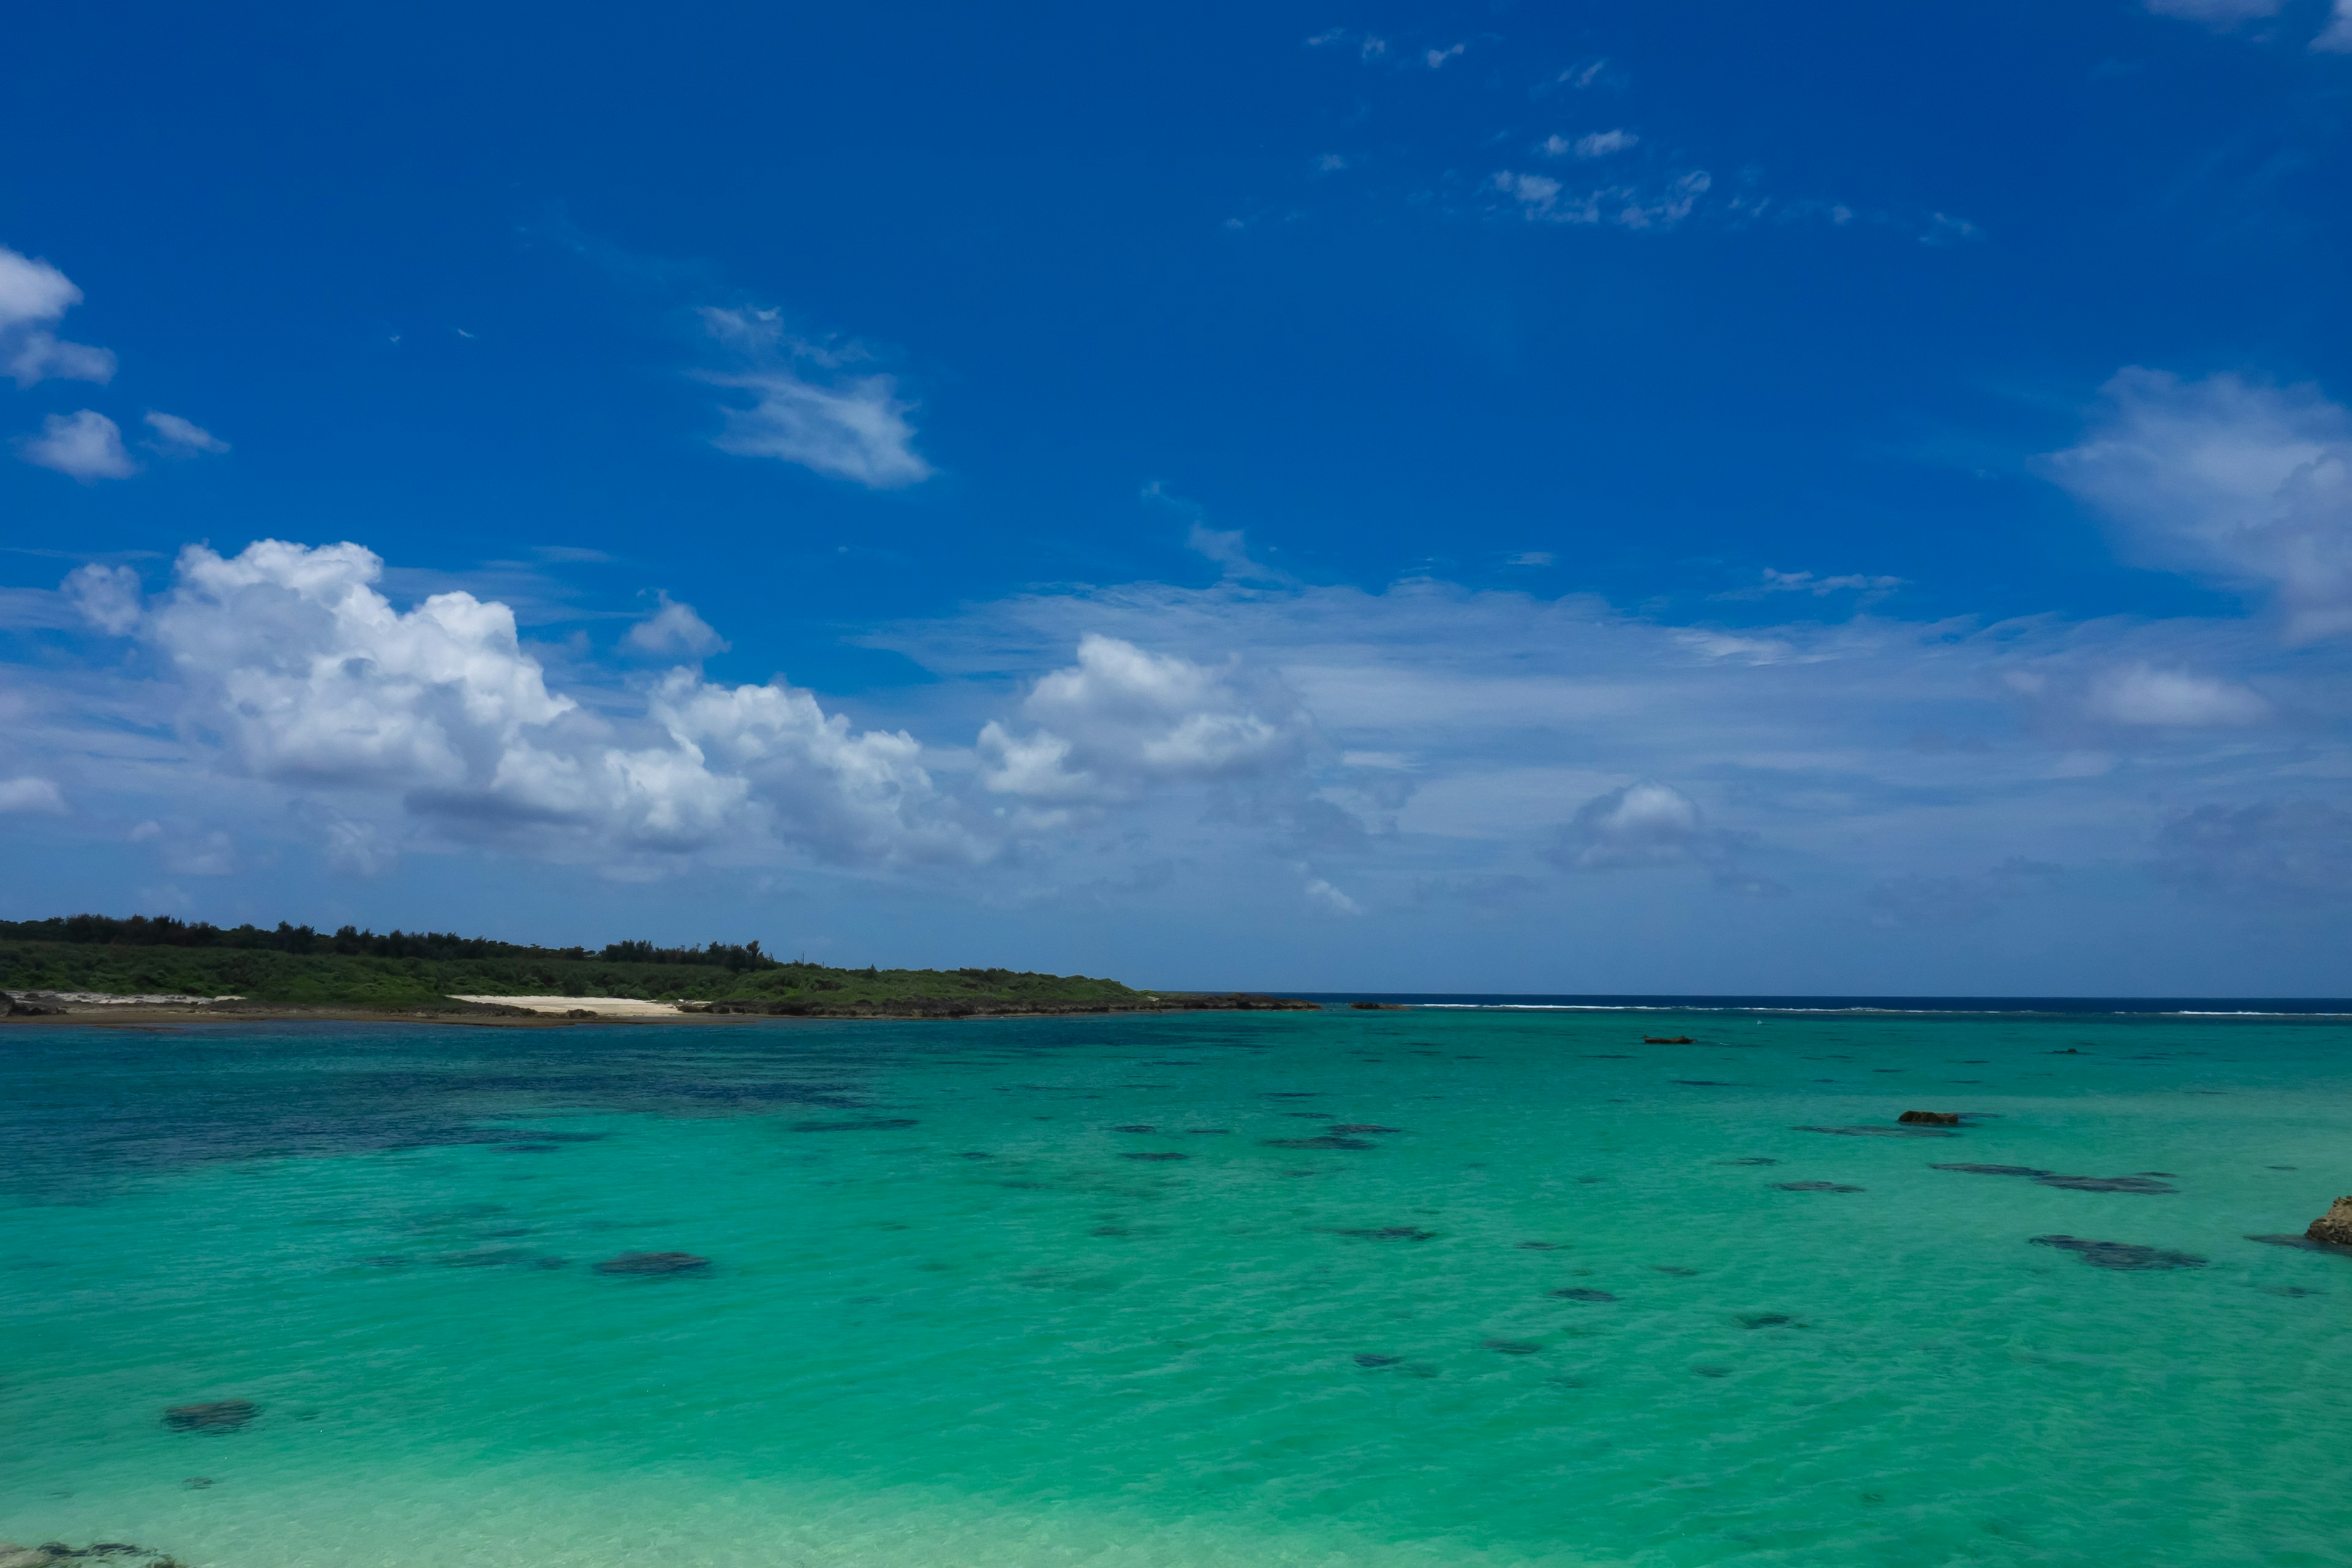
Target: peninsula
[83, 967]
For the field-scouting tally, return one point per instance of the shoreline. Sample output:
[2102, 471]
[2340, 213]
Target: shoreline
[154, 1015]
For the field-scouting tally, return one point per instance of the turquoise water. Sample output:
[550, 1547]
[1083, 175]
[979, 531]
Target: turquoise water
[947, 1320]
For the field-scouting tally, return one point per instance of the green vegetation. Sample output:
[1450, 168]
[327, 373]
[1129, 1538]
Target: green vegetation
[294, 966]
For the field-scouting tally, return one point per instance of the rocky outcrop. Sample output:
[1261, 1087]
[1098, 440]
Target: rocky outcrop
[1931, 1117]
[2334, 1227]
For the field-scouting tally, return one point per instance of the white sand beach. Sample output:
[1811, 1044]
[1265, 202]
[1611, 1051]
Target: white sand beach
[613, 1006]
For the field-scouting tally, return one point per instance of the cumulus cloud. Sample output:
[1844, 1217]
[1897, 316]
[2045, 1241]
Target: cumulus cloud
[312, 678]
[1123, 720]
[675, 630]
[108, 598]
[807, 407]
[30, 794]
[35, 297]
[86, 446]
[2247, 484]
[1648, 825]
[178, 437]
[2296, 850]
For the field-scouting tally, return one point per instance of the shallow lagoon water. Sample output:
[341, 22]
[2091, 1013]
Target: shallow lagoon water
[1580, 1300]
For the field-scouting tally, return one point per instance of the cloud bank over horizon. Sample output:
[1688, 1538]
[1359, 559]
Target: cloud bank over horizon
[1353, 752]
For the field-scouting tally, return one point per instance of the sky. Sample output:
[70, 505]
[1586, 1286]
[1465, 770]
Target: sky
[1571, 499]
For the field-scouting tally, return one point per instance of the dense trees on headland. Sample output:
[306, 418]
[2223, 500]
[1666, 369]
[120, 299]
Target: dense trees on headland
[349, 942]
[297, 966]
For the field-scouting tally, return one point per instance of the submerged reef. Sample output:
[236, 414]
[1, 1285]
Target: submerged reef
[217, 1415]
[2125, 1255]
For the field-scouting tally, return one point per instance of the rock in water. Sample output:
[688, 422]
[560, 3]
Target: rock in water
[1931, 1117]
[2334, 1227]
[652, 1263]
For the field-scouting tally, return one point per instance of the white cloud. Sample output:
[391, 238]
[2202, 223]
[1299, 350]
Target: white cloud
[675, 630]
[34, 297]
[1943, 229]
[30, 794]
[85, 445]
[1331, 898]
[1589, 73]
[2336, 38]
[1540, 198]
[1597, 144]
[1123, 720]
[1648, 824]
[107, 596]
[1422, 745]
[315, 681]
[178, 437]
[2141, 695]
[1437, 58]
[2247, 484]
[1873, 587]
[806, 409]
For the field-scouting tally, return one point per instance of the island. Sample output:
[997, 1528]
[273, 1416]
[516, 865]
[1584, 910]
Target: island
[80, 967]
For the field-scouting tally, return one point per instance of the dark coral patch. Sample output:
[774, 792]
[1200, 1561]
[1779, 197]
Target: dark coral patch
[1764, 1320]
[214, 1416]
[1884, 1131]
[1750, 1160]
[1155, 1154]
[1582, 1293]
[1818, 1187]
[652, 1263]
[1135, 1127]
[2123, 1254]
[1392, 1233]
[1509, 1347]
[1539, 1246]
[1326, 1141]
[1363, 1127]
[2305, 1243]
[876, 1124]
[2142, 1183]
[1367, 1358]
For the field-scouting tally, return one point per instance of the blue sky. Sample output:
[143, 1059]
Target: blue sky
[1594, 498]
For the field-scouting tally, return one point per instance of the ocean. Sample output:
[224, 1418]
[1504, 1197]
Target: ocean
[1457, 1284]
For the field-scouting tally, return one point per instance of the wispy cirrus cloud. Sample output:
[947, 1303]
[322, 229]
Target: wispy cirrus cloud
[810, 403]
[2243, 482]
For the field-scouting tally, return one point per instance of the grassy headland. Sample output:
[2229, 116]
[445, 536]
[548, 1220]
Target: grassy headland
[406, 971]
